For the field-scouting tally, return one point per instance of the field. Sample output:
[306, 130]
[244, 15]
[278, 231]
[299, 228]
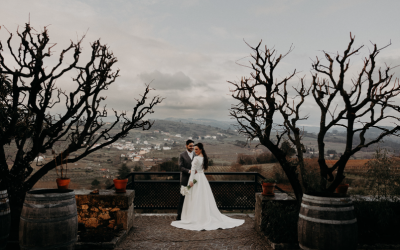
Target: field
[166, 140]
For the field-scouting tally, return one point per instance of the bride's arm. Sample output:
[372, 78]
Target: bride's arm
[195, 162]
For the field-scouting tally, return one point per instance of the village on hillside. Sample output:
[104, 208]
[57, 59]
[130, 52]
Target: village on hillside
[143, 151]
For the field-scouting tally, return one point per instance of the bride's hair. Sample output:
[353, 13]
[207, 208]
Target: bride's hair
[205, 162]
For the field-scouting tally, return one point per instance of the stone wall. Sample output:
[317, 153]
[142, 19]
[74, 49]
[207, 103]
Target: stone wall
[260, 200]
[259, 213]
[106, 209]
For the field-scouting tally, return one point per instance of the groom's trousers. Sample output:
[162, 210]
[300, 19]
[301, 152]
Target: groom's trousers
[180, 205]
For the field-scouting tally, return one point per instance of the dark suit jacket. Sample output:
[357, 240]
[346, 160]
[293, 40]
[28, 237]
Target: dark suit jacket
[185, 163]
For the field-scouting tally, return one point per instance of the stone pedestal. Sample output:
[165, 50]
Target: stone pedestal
[259, 211]
[106, 209]
[260, 200]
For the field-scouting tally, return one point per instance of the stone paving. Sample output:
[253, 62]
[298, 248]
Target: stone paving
[155, 232]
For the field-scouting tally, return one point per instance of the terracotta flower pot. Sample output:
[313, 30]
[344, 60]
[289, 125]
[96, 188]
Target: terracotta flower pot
[62, 183]
[268, 189]
[342, 189]
[120, 185]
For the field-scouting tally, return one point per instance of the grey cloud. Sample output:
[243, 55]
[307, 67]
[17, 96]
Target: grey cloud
[177, 81]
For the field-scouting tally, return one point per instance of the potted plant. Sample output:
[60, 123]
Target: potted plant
[122, 180]
[63, 181]
[268, 186]
[342, 188]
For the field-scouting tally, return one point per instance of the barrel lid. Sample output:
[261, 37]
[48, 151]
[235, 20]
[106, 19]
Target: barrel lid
[340, 199]
[327, 195]
[50, 192]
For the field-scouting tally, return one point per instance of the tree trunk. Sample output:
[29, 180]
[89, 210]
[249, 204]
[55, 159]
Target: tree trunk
[16, 194]
[290, 171]
[14, 182]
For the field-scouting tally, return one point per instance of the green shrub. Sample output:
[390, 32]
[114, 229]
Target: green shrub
[268, 180]
[279, 174]
[312, 181]
[108, 183]
[95, 183]
[383, 181]
[279, 222]
[123, 172]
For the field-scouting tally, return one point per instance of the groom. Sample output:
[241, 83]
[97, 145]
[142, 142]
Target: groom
[185, 163]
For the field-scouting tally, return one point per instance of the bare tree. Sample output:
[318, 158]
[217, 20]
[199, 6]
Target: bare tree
[367, 100]
[32, 94]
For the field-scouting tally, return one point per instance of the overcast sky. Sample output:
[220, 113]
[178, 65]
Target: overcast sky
[189, 48]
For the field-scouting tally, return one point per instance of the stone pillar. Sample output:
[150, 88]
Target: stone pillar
[106, 209]
[260, 200]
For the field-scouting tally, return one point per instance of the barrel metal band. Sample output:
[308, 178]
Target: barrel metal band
[54, 205]
[333, 222]
[4, 237]
[7, 211]
[43, 220]
[3, 192]
[328, 202]
[50, 198]
[71, 242]
[310, 197]
[335, 209]
[306, 248]
[3, 196]
[4, 203]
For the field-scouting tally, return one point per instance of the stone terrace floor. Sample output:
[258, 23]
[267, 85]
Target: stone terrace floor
[155, 232]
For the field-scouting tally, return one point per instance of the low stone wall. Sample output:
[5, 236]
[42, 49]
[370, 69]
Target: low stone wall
[260, 200]
[106, 209]
[259, 211]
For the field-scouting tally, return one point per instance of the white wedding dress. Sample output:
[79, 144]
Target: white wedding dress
[200, 211]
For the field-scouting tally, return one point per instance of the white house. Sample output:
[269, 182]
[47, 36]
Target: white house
[132, 155]
[39, 158]
[136, 158]
[166, 148]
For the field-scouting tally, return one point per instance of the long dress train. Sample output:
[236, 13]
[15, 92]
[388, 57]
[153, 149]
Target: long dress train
[200, 211]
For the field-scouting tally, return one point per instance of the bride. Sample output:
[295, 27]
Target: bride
[200, 210]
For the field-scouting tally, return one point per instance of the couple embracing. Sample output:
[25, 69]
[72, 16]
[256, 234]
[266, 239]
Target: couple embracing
[198, 210]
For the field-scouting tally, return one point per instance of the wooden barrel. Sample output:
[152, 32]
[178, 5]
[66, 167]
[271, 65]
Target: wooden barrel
[5, 219]
[327, 223]
[49, 220]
